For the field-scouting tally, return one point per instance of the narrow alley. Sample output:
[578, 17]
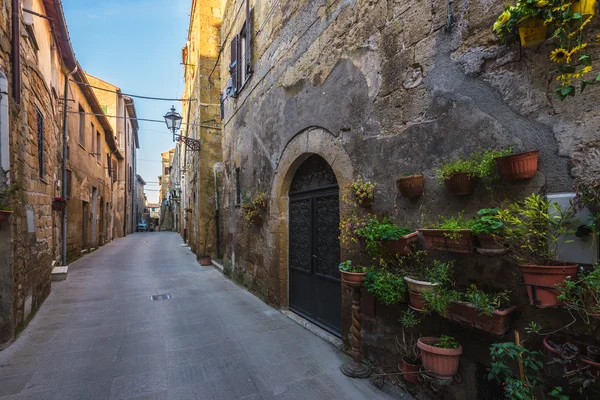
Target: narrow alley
[100, 336]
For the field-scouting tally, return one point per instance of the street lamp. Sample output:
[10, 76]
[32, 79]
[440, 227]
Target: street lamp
[173, 120]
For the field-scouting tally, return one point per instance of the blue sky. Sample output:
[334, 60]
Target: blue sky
[136, 45]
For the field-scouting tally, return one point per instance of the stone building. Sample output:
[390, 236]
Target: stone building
[164, 197]
[37, 70]
[318, 93]
[120, 111]
[141, 213]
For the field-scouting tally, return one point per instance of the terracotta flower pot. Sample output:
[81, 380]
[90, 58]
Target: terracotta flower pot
[576, 360]
[418, 286]
[519, 166]
[4, 214]
[404, 245]
[460, 184]
[497, 323]
[411, 371]
[205, 261]
[58, 205]
[532, 31]
[546, 277]
[487, 246]
[410, 186]
[416, 302]
[354, 279]
[442, 363]
[435, 239]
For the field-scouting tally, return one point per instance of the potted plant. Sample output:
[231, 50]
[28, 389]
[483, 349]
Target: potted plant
[396, 239]
[363, 192]
[450, 234]
[352, 275]
[582, 294]
[426, 281]
[386, 286]
[254, 208]
[489, 312]
[440, 356]
[408, 349]
[6, 197]
[486, 228]
[410, 185]
[59, 204]
[518, 166]
[533, 230]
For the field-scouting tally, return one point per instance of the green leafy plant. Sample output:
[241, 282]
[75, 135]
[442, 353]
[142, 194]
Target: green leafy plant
[486, 303]
[386, 286]
[7, 196]
[408, 319]
[441, 272]
[476, 164]
[582, 294]
[439, 300]
[507, 353]
[533, 328]
[487, 223]
[557, 393]
[376, 232]
[447, 342]
[408, 346]
[534, 232]
[454, 224]
[347, 266]
[254, 207]
[349, 226]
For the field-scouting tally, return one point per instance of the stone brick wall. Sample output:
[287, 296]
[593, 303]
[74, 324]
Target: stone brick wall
[393, 92]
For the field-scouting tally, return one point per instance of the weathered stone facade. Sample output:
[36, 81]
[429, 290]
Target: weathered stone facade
[378, 89]
[31, 157]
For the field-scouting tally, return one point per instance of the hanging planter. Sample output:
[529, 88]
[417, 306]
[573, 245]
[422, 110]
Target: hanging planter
[363, 192]
[532, 31]
[487, 246]
[460, 184]
[442, 363]
[205, 261]
[59, 204]
[405, 245]
[541, 279]
[584, 7]
[460, 241]
[410, 370]
[415, 290]
[410, 186]
[498, 323]
[519, 166]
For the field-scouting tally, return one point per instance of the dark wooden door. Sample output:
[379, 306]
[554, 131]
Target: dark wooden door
[314, 253]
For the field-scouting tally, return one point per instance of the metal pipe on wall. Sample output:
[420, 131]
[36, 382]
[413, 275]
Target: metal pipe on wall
[64, 165]
[15, 49]
[216, 169]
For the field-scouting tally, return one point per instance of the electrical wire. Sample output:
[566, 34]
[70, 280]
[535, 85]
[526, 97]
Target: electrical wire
[130, 95]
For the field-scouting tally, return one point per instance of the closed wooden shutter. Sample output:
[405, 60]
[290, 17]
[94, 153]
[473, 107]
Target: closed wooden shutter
[234, 69]
[109, 164]
[248, 49]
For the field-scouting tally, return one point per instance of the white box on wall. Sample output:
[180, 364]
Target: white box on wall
[580, 250]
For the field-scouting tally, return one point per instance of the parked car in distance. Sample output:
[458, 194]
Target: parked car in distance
[142, 226]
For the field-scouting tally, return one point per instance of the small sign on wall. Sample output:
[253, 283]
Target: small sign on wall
[30, 221]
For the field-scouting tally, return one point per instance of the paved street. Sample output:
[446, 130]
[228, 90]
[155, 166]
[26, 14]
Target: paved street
[99, 336]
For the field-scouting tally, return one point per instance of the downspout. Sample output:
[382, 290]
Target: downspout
[126, 169]
[15, 49]
[64, 165]
[216, 169]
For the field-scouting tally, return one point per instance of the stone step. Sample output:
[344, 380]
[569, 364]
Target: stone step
[60, 273]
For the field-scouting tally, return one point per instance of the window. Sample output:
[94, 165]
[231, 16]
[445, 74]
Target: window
[98, 147]
[81, 126]
[130, 179]
[68, 183]
[238, 187]
[109, 165]
[240, 66]
[40, 137]
[115, 170]
[167, 170]
[92, 138]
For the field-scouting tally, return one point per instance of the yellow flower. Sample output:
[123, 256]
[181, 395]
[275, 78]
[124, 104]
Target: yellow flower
[586, 70]
[576, 49]
[548, 20]
[560, 55]
[598, 39]
[504, 17]
[497, 25]
[541, 3]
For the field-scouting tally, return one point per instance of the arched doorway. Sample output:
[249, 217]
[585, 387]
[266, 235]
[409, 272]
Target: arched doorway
[314, 246]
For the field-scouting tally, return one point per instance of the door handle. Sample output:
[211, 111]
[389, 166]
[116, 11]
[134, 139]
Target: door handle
[314, 256]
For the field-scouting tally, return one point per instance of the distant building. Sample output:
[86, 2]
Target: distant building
[154, 213]
[140, 200]
[166, 220]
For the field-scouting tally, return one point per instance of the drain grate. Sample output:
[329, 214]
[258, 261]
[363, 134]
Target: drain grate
[161, 296]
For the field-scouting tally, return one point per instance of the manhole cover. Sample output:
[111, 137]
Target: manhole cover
[161, 297]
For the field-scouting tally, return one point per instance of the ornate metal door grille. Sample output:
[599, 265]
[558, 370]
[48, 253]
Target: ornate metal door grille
[314, 253]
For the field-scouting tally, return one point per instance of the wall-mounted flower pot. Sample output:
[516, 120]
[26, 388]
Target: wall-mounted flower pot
[410, 370]
[544, 278]
[441, 363]
[205, 261]
[460, 184]
[354, 279]
[577, 358]
[532, 31]
[584, 7]
[487, 246]
[58, 205]
[410, 186]
[417, 286]
[366, 202]
[519, 166]
[416, 302]
[436, 239]
[497, 323]
[404, 245]
[4, 214]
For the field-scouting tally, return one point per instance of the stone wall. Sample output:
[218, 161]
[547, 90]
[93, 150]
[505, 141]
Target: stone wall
[384, 85]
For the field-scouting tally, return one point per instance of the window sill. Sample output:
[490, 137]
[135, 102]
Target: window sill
[43, 180]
